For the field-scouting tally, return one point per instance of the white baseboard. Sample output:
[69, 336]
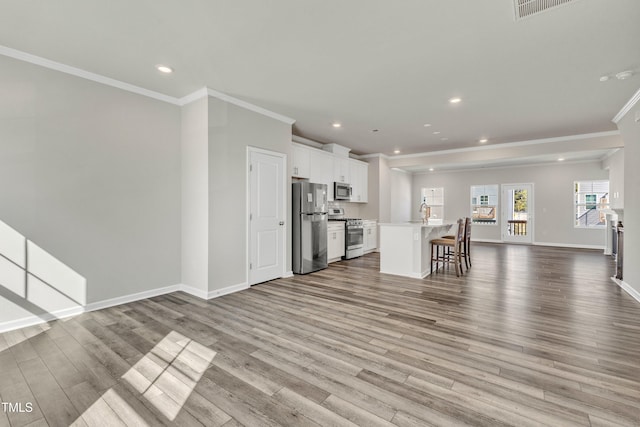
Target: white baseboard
[556, 245]
[627, 288]
[12, 325]
[228, 290]
[410, 275]
[569, 245]
[130, 298]
[288, 274]
[199, 293]
[61, 314]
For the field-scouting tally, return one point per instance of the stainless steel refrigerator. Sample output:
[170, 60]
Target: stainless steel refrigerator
[309, 227]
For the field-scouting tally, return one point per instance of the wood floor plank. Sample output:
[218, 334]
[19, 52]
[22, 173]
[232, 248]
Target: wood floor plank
[14, 389]
[321, 415]
[53, 402]
[91, 407]
[520, 339]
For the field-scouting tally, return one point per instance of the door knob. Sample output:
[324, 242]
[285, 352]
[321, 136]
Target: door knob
[281, 223]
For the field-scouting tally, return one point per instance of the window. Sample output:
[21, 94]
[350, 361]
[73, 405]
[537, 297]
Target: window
[434, 198]
[590, 199]
[484, 204]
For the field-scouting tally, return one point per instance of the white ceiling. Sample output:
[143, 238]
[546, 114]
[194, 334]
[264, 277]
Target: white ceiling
[368, 64]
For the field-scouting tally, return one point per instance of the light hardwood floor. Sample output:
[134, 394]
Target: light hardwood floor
[528, 336]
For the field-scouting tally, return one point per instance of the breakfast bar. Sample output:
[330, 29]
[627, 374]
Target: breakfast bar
[405, 249]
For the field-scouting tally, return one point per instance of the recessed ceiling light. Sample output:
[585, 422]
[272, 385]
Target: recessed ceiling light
[427, 125]
[604, 78]
[375, 130]
[430, 169]
[483, 140]
[622, 75]
[396, 152]
[561, 159]
[164, 69]
[455, 100]
[336, 125]
[436, 132]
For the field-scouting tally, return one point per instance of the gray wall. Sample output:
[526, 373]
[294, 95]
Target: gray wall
[91, 174]
[553, 198]
[195, 195]
[615, 165]
[231, 130]
[631, 135]
[371, 209]
[401, 206]
[379, 190]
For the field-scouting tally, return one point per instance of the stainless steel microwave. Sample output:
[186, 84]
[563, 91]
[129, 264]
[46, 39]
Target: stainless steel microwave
[341, 191]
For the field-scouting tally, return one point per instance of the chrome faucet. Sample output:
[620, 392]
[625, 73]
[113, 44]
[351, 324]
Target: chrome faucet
[424, 211]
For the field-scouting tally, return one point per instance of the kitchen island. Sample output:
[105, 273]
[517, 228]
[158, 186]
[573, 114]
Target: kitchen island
[405, 248]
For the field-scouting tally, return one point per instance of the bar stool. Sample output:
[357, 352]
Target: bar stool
[466, 247]
[449, 257]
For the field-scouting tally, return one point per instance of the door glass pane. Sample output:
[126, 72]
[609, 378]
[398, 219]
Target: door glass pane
[518, 212]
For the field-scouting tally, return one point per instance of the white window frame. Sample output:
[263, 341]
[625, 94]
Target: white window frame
[432, 201]
[599, 204]
[478, 203]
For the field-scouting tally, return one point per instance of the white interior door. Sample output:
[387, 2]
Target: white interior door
[517, 213]
[266, 215]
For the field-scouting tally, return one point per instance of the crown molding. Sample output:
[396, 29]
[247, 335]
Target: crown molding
[477, 168]
[509, 145]
[627, 107]
[83, 74]
[205, 91]
[306, 141]
[199, 94]
[87, 75]
[376, 155]
[249, 106]
[610, 153]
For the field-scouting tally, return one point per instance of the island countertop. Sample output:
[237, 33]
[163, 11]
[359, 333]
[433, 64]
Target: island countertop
[417, 224]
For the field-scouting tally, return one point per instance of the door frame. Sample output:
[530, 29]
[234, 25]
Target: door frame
[530, 210]
[285, 227]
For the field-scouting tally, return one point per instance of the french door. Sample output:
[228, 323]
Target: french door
[517, 213]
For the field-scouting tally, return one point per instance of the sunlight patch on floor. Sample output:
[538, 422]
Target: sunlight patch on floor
[102, 412]
[168, 374]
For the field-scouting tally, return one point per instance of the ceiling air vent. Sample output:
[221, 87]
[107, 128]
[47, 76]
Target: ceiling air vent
[527, 8]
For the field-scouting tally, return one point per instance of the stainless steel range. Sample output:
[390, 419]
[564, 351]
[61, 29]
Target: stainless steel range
[354, 233]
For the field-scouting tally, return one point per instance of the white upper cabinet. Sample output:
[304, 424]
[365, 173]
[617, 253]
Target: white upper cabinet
[341, 169]
[359, 181]
[321, 170]
[300, 161]
[325, 167]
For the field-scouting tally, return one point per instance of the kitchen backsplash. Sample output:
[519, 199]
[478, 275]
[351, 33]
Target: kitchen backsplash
[351, 210]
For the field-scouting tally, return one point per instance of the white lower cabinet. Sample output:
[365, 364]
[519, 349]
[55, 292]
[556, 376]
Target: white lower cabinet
[335, 241]
[370, 240]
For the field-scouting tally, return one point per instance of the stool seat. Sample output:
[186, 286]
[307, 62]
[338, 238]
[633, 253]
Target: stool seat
[466, 246]
[444, 241]
[448, 256]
